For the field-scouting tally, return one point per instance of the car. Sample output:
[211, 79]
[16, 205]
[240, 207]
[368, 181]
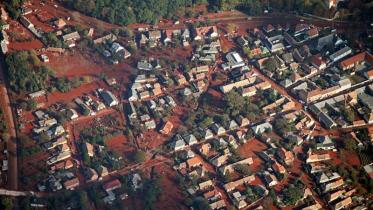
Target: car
[301, 20]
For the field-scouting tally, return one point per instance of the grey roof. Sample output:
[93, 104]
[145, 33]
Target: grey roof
[190, 139]
[326, 120]
[366, 99]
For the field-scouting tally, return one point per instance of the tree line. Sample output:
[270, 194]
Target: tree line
[125, 12]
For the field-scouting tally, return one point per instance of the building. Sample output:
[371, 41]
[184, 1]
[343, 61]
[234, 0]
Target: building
[109, 98]
[286, 156]
[190, 139]
[355, 60]
[59, 23]
[369, 170]
[206, 32]
[340, 54]
[166, 128]
[261, 128]
[73, 36]
[234, 61]
[324, 143]
[89, 149]
[112, 185]
[71, 184]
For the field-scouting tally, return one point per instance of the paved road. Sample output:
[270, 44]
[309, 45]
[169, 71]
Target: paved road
[12, 142]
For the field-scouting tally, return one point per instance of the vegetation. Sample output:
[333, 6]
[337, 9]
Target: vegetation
[124, 12]
[293, 193]
[14, 7]
[51, 40]
[139, 156]
[25, 73]
[282, 126]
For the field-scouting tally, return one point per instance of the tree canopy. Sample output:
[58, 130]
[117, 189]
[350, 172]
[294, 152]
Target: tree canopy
[124, 12]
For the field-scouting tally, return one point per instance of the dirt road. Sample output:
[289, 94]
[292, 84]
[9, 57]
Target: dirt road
[12, 142]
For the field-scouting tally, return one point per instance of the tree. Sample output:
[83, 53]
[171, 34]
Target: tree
[243, 169]
[349, 144]
[7, 203]
[139, 156]
[31, 104]
[270, 64]
[200, 203]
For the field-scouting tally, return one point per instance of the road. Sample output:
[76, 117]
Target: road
[12, 142]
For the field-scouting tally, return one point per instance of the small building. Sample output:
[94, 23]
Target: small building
[261, 128]
[112, 185]
[190, 139]
[166, 128]
[109, 98]
[71, 184]
[59, 23]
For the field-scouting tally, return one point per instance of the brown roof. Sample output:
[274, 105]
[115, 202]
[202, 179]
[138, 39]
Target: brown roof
[194, 161]
[167, 128]
[354, 59]
[113, 184]
[71, 183]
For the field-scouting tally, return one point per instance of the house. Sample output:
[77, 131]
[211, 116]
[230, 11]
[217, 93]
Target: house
[220, 160]
[239, 200]
[335, 195]
[269, 179]
[366, 102]
[220, 204]
[327, 176]
[207, 134]
[116, 47]
[261, 128]
[167, 128]
[112, 185]
[178, 144]
[89, 148]
[232, 125]
[90, 174]
[369, 170]
[193, 162]
[355, 60]
[3, 14]
[317, 157]
[340, 54]
[234, 61]
[204, 149]
[326, 187]
[71, 36]
[71, 184]
[149, 125]
[109, 37]
[278, 168]
[59, 23]
[190, 139]
[242, 121]
[242, 41]
[26, 22]
[343, 204]
[324, 143]
[318, 62]
[212, 195]
[102, 171]
[218, 129]
[231, 167]
[230, 186]
[109, 98]
[205, 185]
[286, 156]
[155, 35]
[206, 32]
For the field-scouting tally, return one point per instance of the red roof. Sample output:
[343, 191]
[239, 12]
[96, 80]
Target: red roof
[354, 59]
[113, 184]
[317, 60]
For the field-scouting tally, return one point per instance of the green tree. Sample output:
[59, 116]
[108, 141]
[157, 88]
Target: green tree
[139, 156]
